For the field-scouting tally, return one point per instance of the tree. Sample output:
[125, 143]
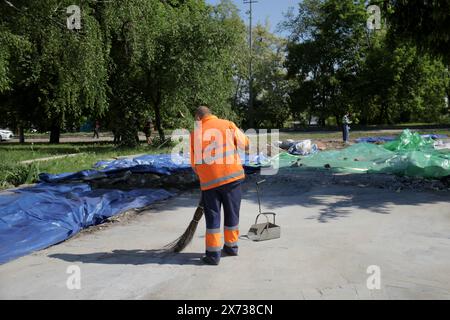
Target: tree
[63, 76]
[401, 85]
[271, 87]
[327, 45]
[425, 22]
[171, 58]
[14, 51]
[341, 66]
[131, 60]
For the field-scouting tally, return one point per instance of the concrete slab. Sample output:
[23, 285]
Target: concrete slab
[330, 236]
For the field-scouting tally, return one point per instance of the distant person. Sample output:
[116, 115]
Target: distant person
[345, 127]
[96, 129]
[148, 131]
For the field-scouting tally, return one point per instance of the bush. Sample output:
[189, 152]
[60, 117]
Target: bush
[13, 175]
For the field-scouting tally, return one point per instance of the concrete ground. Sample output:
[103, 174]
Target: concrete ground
[331, 235]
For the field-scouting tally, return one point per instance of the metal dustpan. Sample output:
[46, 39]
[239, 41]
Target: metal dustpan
[266, 230]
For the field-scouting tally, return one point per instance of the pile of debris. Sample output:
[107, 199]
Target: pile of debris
[300, 148]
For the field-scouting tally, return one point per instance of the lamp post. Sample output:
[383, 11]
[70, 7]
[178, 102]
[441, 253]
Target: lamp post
[250, 64]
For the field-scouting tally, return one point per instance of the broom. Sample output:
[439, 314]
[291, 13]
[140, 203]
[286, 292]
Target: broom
[182, 242]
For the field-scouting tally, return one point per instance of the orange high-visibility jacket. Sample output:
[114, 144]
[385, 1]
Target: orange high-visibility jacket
[214, 152]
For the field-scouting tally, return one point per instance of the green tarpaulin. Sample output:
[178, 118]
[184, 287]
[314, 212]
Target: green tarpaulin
[409, 155]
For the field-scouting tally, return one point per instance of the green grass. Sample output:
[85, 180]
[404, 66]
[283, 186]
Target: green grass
[12, 173]
[28, 151]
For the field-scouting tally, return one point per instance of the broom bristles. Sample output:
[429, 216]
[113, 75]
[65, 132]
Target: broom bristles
[183, 241]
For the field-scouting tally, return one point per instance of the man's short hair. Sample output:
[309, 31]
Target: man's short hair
[202, 111]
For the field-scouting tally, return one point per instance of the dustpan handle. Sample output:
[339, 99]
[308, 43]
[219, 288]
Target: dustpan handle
[257, 192]
[266, 215]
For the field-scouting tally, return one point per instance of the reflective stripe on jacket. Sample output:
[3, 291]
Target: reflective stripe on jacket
[214, 152]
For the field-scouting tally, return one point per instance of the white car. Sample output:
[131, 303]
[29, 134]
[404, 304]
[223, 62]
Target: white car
[6, 134]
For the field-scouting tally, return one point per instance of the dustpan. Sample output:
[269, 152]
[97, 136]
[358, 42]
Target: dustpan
[266, 230]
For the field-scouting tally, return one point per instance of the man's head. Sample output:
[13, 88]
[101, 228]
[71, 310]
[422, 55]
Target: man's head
[202, 112]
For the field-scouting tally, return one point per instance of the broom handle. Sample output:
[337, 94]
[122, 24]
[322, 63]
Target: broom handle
[201, 202]
[200, 205]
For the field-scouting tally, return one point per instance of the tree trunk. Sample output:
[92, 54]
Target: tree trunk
[128, 135]
[156, 98]
[21, 134]
[55, 133]
[136, 137]
[158, 123]
[235, 100]
[384, 117]
[448, 91]
[127, 132]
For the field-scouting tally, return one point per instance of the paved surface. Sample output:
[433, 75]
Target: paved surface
[52, 158]
[103, 137]
[108, 136]
[330, 236]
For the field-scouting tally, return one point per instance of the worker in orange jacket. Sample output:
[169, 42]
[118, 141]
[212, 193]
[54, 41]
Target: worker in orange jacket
[214, 158]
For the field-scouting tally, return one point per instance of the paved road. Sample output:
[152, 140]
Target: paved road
[330, 235]
[108, 137]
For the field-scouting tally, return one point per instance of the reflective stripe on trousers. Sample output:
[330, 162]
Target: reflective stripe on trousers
[213, 240]
[231, 235]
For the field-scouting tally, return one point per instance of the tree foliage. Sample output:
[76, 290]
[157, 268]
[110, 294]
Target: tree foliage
[425, 22]
[63, 74]
[135, 60]
[342, 66]
[131, 61]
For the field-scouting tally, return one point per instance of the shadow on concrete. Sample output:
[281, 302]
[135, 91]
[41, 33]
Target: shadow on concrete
[334, 201]
[334, 197]
[133, 257]
[338, 196]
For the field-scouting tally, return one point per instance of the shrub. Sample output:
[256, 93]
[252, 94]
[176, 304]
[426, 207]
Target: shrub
[17, 174]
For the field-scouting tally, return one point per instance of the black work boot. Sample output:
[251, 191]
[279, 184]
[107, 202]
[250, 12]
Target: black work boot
[210, 261]
[228, 251]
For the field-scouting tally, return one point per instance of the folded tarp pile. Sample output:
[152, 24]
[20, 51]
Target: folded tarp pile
[164, 164]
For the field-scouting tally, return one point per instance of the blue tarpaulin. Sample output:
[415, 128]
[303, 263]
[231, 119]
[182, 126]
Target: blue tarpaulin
[157, 163]
[37, 217]
[434, 136]
[164, 164]
[376, 139]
